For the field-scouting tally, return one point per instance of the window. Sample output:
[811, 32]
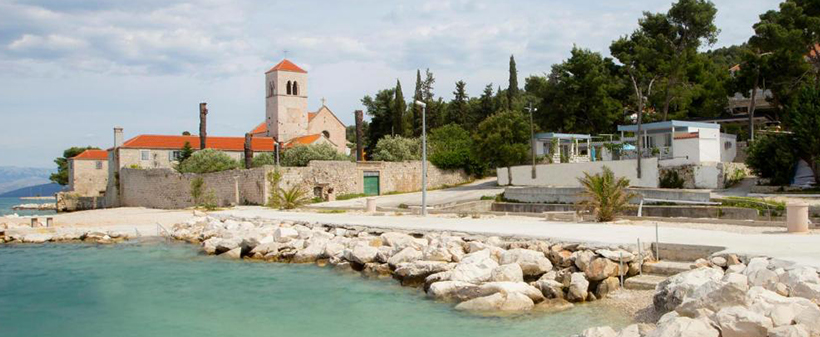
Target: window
[145, 155]
[288, 85]
[270, 89]
[326, 134]
[174, 155]
[295, 88]
[99, 165]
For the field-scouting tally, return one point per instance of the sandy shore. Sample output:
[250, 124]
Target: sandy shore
[124, 219]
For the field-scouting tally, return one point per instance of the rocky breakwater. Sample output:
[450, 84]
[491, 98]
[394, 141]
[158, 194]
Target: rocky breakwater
[477, 273]
[10, 233]
[726, 297]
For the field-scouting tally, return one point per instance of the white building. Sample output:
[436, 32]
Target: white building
[680, 142]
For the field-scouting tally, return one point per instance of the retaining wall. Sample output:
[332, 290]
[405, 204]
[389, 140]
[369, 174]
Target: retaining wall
[570, 195]
[567, 174]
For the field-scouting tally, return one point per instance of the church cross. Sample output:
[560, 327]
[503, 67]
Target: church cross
[323, 101]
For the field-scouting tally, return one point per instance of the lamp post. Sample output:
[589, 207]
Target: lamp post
[532, 138]
[423, 158]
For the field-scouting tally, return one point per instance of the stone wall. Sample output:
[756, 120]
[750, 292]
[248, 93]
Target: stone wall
[70, 202]
[166, 188]
[706, 175]
[571, 195]
[88, 177]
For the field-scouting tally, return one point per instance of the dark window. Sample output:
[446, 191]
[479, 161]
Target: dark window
[270, 89]
[327, 134]
[289, 91]
[295, 88]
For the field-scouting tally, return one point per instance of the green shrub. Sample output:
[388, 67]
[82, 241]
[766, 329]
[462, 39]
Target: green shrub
[274, 199]
[604, 195]
[263, 159]
[209, 201]
[397, 148]
[293, 197]
[206, 161]
[762, 205]
[197, 188]
[303, 154]
[671, 179]
[350, 196]
[451, 147]
[734, 178]
[772, 157]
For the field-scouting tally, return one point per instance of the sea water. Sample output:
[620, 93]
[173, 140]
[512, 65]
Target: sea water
[170, 289]
[7, 203]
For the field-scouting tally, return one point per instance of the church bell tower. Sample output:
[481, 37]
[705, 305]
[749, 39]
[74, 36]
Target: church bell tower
[286, 101]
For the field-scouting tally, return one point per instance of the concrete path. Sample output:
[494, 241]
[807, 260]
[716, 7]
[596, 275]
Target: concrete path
[803, 249]
[469, 192]
[742, 189]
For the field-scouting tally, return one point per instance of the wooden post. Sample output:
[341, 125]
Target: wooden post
[248, 151]
[203, 115]
[359, 146]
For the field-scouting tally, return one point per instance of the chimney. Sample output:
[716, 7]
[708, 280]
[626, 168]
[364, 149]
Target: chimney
[359, 146]
[117, 136]
[203, 115]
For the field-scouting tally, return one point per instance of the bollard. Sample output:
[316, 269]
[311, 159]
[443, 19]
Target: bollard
[371, 205]
[797, 217]
[49, 222]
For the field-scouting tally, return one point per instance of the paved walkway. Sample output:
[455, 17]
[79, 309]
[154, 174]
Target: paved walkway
[469, 192]
[803, 249]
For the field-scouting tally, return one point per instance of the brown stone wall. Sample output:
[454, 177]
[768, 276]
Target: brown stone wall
[85, 179]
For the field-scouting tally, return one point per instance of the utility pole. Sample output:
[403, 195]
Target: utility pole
[532, 138]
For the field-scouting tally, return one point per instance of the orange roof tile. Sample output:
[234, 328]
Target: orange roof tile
[261, 128]
[688, 135]
[303, 140]
[92, 155]
[286, 65]
[312, 115]
[259, 144]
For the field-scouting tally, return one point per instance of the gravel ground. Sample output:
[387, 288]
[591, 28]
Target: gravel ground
[635, 303]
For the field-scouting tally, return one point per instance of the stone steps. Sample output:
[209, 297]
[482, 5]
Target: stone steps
[667, 268]
[643, 282]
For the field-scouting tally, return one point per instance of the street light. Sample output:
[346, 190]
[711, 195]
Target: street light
[532, 137]
[423, 157]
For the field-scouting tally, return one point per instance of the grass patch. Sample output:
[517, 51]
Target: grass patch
[332, 211]
[762, 205]
[490, 197]
[350, 196]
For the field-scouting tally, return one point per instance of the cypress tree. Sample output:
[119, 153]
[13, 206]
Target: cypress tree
[399, 109]
[512, 91]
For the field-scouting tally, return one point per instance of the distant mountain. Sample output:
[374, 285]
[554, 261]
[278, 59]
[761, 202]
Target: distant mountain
[43, 190]
[12, 178]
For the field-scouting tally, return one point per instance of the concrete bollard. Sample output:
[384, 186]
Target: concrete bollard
[371, 205]
[797, 217]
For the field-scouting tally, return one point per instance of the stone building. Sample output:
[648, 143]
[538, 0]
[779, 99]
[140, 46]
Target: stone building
[88, 173]
[287, 118]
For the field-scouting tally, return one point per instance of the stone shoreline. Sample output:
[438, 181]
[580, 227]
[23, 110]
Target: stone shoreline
[477, 273]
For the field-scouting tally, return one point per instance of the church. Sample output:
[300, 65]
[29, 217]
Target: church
[287, 118]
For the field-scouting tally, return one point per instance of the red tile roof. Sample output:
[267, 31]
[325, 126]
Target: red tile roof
[92, 155]
[688, 135]
[286, 65]
[311, 115]
[259, 144]
[303, 140]
[261, 128]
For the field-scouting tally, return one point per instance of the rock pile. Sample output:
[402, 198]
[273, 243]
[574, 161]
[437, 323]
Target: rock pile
[40, 235]
[487, 274]
[725, 297]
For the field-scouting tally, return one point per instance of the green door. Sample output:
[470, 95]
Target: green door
[371, 183]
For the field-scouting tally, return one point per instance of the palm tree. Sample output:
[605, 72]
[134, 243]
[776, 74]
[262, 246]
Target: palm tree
[604, 195]
[293, 197]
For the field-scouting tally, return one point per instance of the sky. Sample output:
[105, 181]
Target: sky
[71, 70]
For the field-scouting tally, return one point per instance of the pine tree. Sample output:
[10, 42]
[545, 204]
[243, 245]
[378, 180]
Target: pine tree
[399, 110]
[458, 106]
[486, 104]
[512, 90]
[186, 152]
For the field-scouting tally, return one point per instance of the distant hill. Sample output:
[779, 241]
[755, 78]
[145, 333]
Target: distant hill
[12, 178]
[42, 190]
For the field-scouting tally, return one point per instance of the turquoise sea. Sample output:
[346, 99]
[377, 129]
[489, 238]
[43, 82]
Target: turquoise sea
[7, 203]
[170, 289]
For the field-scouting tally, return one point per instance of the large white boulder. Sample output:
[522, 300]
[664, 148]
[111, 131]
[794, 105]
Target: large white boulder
[447, 290]
[684, 327]
[784, 310]
[507, 273]
[671, 292]
[437, 253]
[806, 290]
[715, 295]
[408, 254]
[617, 255]
[601, 331]
[285, 234]
[510, 302]
[361, 254]
[578, 288]
[582, 258]
[601, 268]
[738, 321]
[795, 276]
[550, 288]
[421, 269]
[314, 250]
[475, 267]
[402, 240]
[512, 287]
[797, 330]
[532, 262]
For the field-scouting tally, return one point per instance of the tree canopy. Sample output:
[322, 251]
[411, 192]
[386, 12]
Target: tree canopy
[61, 177]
